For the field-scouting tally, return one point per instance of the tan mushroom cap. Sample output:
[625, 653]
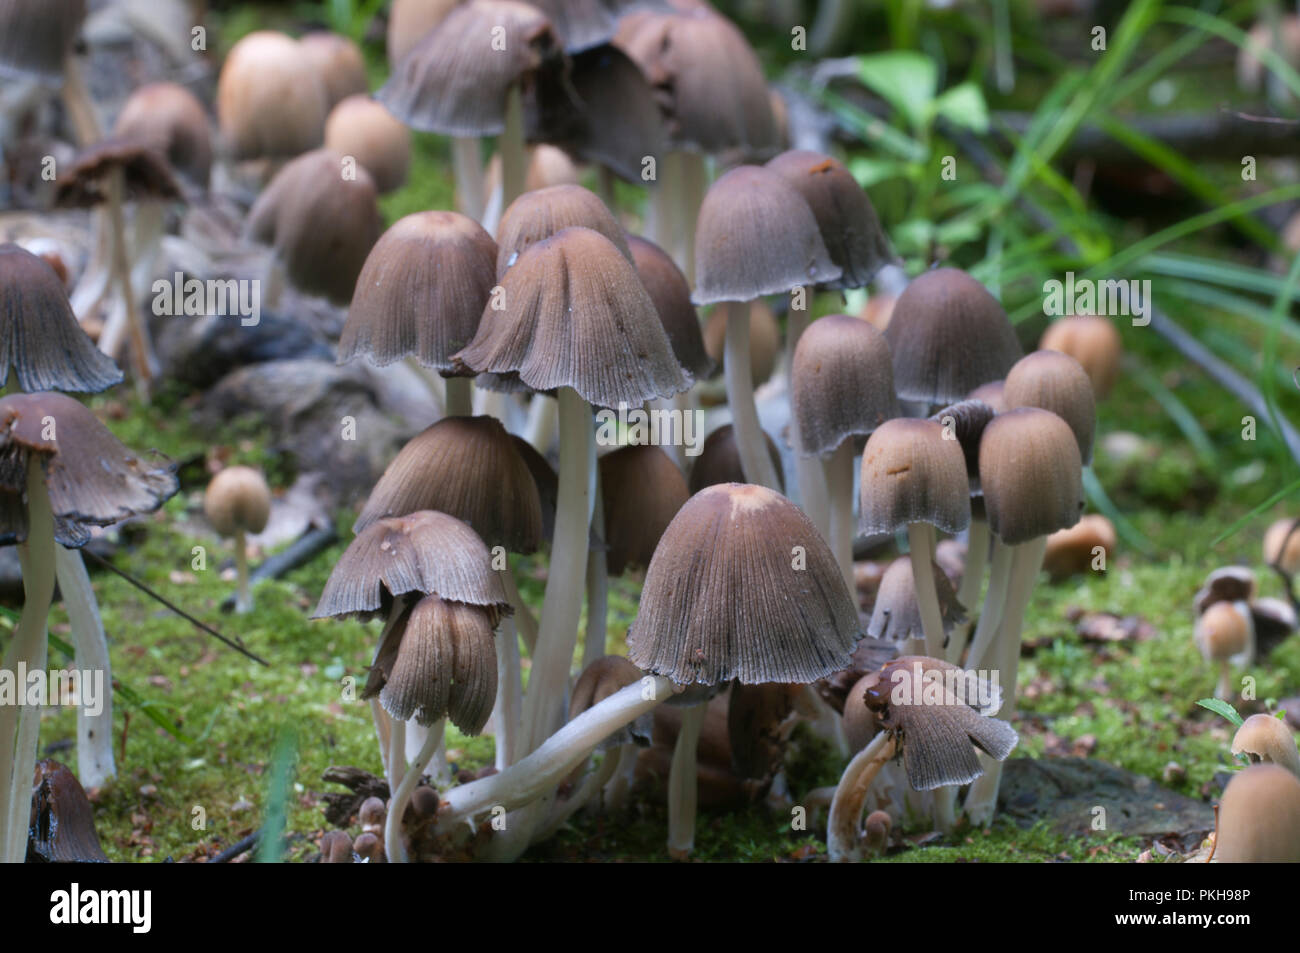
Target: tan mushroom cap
[540, 214]
[238, 499]
[1282, 546]
[170, 119]
[145, 174]
[719, 460]
[764, 339]
[358, 126]
[421, 552]
[742, 586]
[858, 720]
[993, 393]
[1071, 551]
[1091, 340]
[271, 102]
[1259, 818]
[1267, 739]
[1224, 632]
[1031, 474]
[895, 615]
[672, 298]
[36, 35]
[841, 383]
[912, 474]
[409, 21]
[1056, 382]
[642, 490]
[339, 64]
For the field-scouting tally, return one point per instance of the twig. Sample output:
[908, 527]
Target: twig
[239, 847]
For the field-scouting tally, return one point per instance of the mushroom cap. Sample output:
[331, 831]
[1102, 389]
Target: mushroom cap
[1225, 633]
[39, 334]
[35, 36]
[858, 720]
[1031, 474]
[467, 467]
[271, 102]
[672, 299]
[62, 820]
[1091, 340]
[583, 24]
[1070, 551]
[1274, 620]
[723, 598]
[576, 315]
[542, 213]
[993, 393]
[336, 848]
[912, 474]
[321, 224]
[421, 291]
[358, 126]
[719, 460]
[755, 235]
[421, 552]
[238, 499]
[409, 21]
[91, 478]
[438, 661]
[1227, 584]
[896, 616]
[841, 382]
[454, 81]
[964, 422]
[169, 118]
[1259, 817]
[1267, 739]
[339, 64]
[546, 479]
[848, 222]
[764, 339]
[642, 490]
[145, 175]
[1281, 545]
[1057, 382]
[948, 336]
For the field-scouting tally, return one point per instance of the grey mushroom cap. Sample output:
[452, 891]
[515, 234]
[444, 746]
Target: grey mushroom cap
[36, 35]
[1057, 382]
[1031, 474]
[541, 213]
[719, 461]
[583, 24]
[912, 474]
[841, 383]
[672, 298]
[896, 616]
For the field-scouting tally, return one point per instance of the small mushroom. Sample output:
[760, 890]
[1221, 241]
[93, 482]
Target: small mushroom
[1265, 738]
[1093, 342]
[238, 503]
[1073, 550]
[335, 848]
[1259, 818]
[1225, 634]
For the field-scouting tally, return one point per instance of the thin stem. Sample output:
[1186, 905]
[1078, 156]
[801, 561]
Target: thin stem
[839, 491]
[81, 109]
[383, 730]
[467, 165]
[460, 397]
[593, 646]
[991, 611]
[510, 699]
[920, 539]
[523, 615]
[95, 763]
[695, 182]
[393, 844]
[141, 350]
[244, 597]
[514, 153]
[542, 418]
[433, 383]
[972, 578]
[396, 754]
[843, 832]
[750, 442]
[683, 787]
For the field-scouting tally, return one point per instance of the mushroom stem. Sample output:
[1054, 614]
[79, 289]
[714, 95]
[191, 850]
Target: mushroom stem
[510, 700]
[141, 351]
[662, 222]
[972, 577]
[514, 153]
[592, 783]
[541, 423]
[695, 182]
[523, 615]
[95, 763]
[432, 382]
[396, 754]
[920, 540]
[147, 234]
[839, 489]
[843, 833]
[467, 166]
[683, 788]
[20, 724]
[994, 598]
[754, 460]
[593, 646]
[383, 730]
[76, 98]
[94, 282]
[393, 843]
[1225, 689]
[460, 397]
[244, 596]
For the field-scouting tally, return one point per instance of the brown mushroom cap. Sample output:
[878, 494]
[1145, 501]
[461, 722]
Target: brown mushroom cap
[335, 848]
[964, 422]
[238, 499]
[846, 217]
[467, 467]
[1056, 382]
[271, 102]
[759, 721]
[642, 491]
[858, 720]
[421, 552]
[36, 35]
[764, 339]
[912, 474]
[91, 478]
[39, 334]
[948, 336]
[169, 118]
[719, 460]
[1259, 817]
[62, 820]
[895, 614]
[358, 126]
[576, 315]
[146, 176]
[993, 393]
[841, 383]
[1031, 474]
[1265, 738]
[339, 64]
[540, 214]
[755, 235]
[723, 598]
[1282, 546]
[1227, 584]
[1091, 340]
[1070, 551]
[672, 298]
[409, 21]
[1224, 632]
[547, 480]
[421, 291]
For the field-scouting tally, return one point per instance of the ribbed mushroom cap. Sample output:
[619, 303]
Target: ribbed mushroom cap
[711, 87]
[1227, 584]
[321, 224]
[896, 616]
[62, 821]
[91, 478]
[948, 336]
[546, 479]
[755, 235]
[642, 491]
[1281, 544]
[1070, 551]
[271, 102]
[1056, 382]
[455, 79]
[409, 21]
[764, 339]
[722, 598]
[541, 214]
[848, 222]
[421, 291]
[438, 661]
[935, 709]
[582, 24]
[169, 118]
[858, 720]
[992, 393]
[469, 468]
[964, 422]
[360, 127]
[1265, 738]
[422, 552]
[339, 64]
[841, 383]
[911, 474]
[1259, 818]
[672, 297]
[602, 678]
[237, 499]
[576, 315]
[719, 460]
[1031, 474]
[1225, 632]
[39, 334]
[35, 36]
[146, 176]
[1093, 342]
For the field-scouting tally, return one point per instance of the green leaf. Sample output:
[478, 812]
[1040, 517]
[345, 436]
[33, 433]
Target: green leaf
[869, 172]
[964, 106]
[1262, 508]
[1221, 708]
[906, 80]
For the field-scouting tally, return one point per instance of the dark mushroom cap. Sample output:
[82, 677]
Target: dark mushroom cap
[335, 848]
[271, 102]
[454, 81]
[719, 460]
[360, 127]
[39, 334]
[642, 491]
[1227, 584]
[846, 217]
[421, 291]
[841, 383]
[1031, 474]
[583, 24]
[36, 35]
[237, 499]
[542, 213]
[146, 176]
[912, 474]
[322, 225]
[169, 118]
[338, 62]
[965, 421]
[948, 336]
[1057, 382]
[422, 552]
[576, 315]
[469, 468]
[896, 616]
[672, 297]
[547, 480]
[755, 235]
[62, 821]
[742, 586]
[91, 478]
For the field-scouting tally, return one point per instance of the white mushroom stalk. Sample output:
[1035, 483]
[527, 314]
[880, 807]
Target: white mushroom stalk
[755, 462]
[507, 714]
[514, 151]
[972, 578]
[593, 646]
[838, 486]
[401, 796]
[844, 834]
[921, 541]
[459, 397]
[95, 763]
[683, 790]
[467, 166]
[994, 599]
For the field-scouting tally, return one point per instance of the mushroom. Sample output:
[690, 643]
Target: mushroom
[359, 127]
[409, 21]
[1266, 738]
[764, 339]
[1056, 382]
[1091, 340]
[61, 827]
[1225, 634]
[335, 848]
[37, 41]
[1259, 818]
[271, 100]
[719, 461]
[1282, 546]
[1228, 584]
[896, 613]
[237, 503]
[1072, 551]
[339, 64]
[672, 299]
[542, 213]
